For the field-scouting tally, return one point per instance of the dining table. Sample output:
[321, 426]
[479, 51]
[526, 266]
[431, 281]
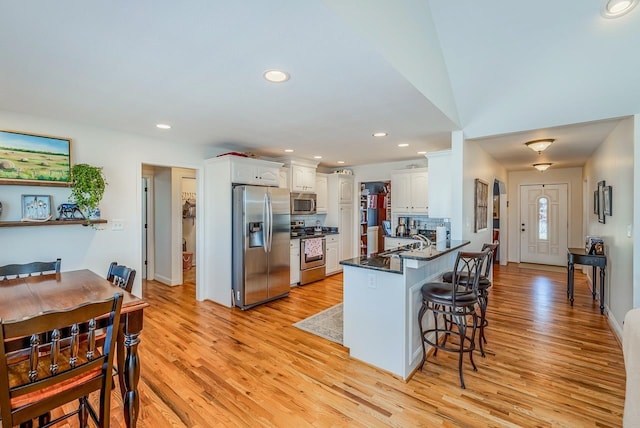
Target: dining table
[28, 296]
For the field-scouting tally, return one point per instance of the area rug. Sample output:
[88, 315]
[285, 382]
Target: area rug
[548, 268]
[326, 324]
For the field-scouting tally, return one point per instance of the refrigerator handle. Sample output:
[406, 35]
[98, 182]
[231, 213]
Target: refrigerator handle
[266, 224]
[270, 206]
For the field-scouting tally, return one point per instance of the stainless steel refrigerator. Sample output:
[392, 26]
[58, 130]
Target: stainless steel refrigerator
[261, 234]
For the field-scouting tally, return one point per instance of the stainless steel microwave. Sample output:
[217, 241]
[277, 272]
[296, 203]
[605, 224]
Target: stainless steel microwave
[303, 203]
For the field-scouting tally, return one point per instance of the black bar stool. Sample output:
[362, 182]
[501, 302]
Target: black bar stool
[483, 291]
[455, 303]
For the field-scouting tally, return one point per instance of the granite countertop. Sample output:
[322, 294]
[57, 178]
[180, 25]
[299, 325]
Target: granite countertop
[310, 232]
[432, 252]
[392, 262]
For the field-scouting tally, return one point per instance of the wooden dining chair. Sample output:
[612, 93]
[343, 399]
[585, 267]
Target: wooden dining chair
[29, 269]
[40, 372]
[121, 276]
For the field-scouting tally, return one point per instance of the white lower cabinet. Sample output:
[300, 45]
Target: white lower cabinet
[333, 254]
[294, 252]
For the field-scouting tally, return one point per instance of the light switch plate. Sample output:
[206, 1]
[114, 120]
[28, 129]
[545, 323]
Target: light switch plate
[629, 229]
[117, 224]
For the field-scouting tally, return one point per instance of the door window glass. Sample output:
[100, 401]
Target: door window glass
[543, 209]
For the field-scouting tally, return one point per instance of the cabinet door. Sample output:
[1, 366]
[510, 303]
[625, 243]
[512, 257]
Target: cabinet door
[401, 192]
[294, 253]
[419, 193]
[268, 175]
[333, 251]
[283, 178]
[346, 232]
[303, 178]
[243, 174]
[321, 193]
[309, 179]
[346, 190]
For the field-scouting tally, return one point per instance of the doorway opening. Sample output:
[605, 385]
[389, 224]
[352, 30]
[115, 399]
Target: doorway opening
[169, 224]
[375, 216]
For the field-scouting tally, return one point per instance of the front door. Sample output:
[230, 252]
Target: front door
[543, 224]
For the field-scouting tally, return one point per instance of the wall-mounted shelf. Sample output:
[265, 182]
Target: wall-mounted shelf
[48, 223]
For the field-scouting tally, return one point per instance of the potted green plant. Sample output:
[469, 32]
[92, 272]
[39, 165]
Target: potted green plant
[87, 188]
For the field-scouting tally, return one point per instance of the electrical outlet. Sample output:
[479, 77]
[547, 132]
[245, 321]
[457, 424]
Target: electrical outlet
[371, 281]
[117, 224]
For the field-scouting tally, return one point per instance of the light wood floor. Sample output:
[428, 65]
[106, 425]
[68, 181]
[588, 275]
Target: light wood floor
[204, 365]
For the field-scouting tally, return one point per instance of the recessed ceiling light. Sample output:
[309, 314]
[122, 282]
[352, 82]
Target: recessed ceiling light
[317, 157]
[422, 153]
[288, 150]
[616, 8]
[403, 145]
[380, 134]
[163, 126]
[276, 76]
[340, 162]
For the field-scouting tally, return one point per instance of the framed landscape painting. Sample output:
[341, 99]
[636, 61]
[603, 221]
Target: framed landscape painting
[30, 159]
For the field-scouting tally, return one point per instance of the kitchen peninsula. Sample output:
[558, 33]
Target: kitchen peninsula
[382, 297]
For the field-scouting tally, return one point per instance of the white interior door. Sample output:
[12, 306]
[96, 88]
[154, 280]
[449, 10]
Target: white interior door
[543, 224]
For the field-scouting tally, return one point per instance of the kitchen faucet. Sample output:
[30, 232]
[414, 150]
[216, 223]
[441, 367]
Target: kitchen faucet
[424, 241]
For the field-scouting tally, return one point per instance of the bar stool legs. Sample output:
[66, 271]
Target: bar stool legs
[454, 310]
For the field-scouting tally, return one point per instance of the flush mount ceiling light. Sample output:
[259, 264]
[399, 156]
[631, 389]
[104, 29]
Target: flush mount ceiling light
[539, 145]
[276, 76]
[317, 157]
[542, 167]
[163, 126]
[288, 150]
[380, 134]
[617, 8]
[403, 145]
[422, 153]
[340, 162]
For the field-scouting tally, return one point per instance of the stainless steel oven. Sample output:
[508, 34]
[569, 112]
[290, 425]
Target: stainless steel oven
[313, 257]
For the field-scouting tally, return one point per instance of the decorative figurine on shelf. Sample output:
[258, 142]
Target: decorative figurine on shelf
[69, 212]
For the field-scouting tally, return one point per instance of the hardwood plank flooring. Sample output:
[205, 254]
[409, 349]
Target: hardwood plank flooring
[547, 364]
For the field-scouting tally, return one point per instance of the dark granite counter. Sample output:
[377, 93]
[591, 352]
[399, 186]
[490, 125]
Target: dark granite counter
[392, 264]
[392, 261]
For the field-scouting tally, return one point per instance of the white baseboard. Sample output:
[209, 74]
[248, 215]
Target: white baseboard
[165, 280]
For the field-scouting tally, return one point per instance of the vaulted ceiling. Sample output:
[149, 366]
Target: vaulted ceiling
[503, 72]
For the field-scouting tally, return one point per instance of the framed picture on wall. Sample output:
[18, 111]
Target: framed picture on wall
[601, 186]
[606, 200]
[481, 205]
[596, 203]
[30, 159]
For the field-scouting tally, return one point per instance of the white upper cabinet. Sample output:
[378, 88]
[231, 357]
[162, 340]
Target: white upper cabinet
[440, 194]
[409, 191]
[283, 181]
[255, 171]
[321, 193]
[303, 176]
[346, 190]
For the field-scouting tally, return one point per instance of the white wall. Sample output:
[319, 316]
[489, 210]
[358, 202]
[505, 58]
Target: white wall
[571, 176]
[121, 155]
[613, 162]
[477, 164]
